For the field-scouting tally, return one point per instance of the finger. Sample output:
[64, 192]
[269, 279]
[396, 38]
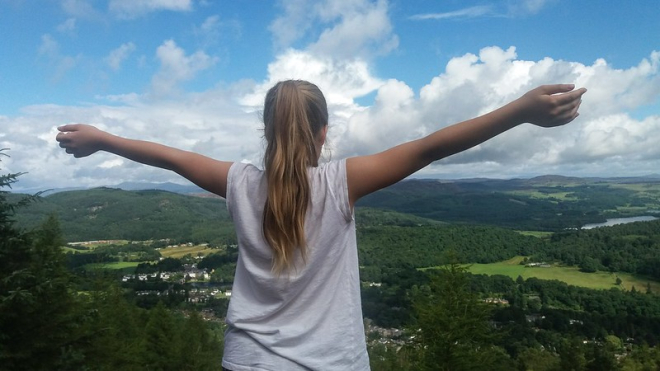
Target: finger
[63, 137]
[556, 88]
[570, 97]
[69, 127]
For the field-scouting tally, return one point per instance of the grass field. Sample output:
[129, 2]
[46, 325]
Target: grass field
[92, 245]
[570, 275]
[114, 265]
[180, 251]
[538, 234]
[532, 193]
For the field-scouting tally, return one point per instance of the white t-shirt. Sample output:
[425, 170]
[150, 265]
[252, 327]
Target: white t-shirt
[310, 319]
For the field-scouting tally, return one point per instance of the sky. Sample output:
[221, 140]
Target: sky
[193, 74]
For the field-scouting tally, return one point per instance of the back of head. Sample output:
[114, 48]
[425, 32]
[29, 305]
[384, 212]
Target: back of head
[295, 113]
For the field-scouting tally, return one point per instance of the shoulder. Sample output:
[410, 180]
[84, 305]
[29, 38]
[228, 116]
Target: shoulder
[328, 180]
[242, 169]
[243, 177]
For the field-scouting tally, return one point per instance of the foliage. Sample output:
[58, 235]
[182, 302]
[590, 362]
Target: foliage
[100, 213]
[48, 323]
[454, 331]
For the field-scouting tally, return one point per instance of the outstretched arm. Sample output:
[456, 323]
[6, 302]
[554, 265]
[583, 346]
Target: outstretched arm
[546, 106]
[84, 140]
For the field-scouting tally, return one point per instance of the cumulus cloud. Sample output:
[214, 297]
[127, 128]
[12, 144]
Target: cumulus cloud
[474, 84]
[295, 21]
[135, 8]
[177, 67]
[223, 122]
[211, 123]
[341, 80]
[119, 55]
[346, 28]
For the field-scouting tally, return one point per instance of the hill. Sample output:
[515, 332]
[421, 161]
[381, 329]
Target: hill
[107, 213]
[549, 203]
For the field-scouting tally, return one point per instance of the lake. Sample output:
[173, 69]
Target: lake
[615, 221]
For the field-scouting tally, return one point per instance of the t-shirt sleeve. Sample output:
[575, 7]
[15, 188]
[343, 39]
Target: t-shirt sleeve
[336, 177]
[236, 171]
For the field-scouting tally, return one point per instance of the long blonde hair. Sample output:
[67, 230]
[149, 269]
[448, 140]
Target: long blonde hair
[294, 114]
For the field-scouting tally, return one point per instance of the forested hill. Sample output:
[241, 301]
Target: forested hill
[549, 203]
[114, 214]
[107, 213]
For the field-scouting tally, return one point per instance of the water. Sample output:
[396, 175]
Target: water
[615, 221]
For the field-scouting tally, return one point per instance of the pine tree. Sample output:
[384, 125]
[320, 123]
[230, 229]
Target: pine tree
[41, 322]
[454, 329]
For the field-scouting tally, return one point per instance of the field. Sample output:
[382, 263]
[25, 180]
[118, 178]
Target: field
[180, 251]
[536, 194]
[127, 267]
[570, 275]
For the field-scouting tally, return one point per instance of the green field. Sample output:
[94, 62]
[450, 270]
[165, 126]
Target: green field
[113, 265]
[91, 246]
[180, 251]
[570, 275]
[535, 194]
[538, 234]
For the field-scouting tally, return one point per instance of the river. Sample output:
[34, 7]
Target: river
[615, 221]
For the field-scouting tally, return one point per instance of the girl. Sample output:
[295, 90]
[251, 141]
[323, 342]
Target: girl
[296, 294]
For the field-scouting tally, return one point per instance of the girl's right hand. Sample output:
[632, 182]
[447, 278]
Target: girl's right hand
[80, 140]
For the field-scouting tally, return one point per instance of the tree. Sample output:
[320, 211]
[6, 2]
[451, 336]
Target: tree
[161, 344]
[571, 355]
[537, 360]
[454, 329]
[41, 319]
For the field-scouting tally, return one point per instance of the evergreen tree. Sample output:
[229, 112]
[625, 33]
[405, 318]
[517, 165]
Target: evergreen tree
[454, 329]
[41, 321]
[161, 344]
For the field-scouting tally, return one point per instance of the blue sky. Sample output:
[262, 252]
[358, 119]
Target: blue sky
[192, 74]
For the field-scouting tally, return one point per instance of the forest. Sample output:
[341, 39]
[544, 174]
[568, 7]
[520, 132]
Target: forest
[61, 309]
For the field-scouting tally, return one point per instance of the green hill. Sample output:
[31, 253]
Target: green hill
[106, 213]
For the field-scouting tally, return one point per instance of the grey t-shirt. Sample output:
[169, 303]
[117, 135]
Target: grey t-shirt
[310, 318]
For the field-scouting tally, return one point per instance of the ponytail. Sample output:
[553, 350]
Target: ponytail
[294, 113]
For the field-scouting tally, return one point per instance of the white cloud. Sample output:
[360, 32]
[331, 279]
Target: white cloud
[213, 29]
[515, 8]
[177, 67]
[80, 9]
[346, 29]
[68, 26]
[362, 31]
[129, 9]
[471, 12]
[474, 84]
[293, 24]
[119, 55]
[58, 64]
[527, 7]
[340, 81]
[222, 122]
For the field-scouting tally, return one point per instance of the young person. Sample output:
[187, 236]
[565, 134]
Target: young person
[296, 296]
